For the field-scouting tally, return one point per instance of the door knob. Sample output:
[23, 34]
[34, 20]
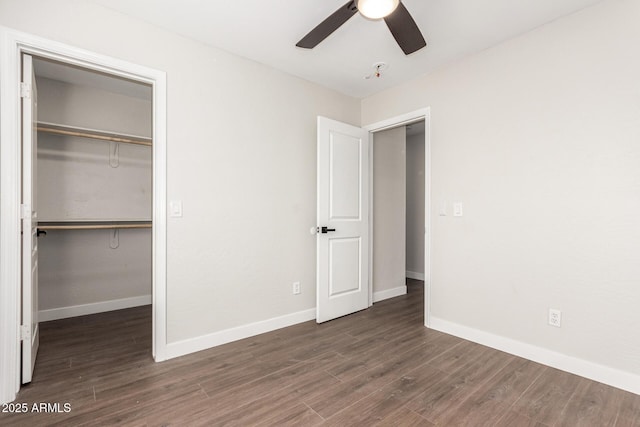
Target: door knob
[39, 232]
[325, 230]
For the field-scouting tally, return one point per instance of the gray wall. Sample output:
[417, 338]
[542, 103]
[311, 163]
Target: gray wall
[62, 102]
[389, 205]
[415, 204]
[78, 268]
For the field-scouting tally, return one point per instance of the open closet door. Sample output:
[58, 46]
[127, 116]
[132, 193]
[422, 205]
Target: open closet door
[343, 220]
[29, 332]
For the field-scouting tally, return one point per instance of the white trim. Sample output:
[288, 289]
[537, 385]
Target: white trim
[371, 234]
[427, 217]
[593, 371]
[9, 222]
[389, 293]
[93, 308]
[403, 120]
[159, 218]
[204, 342]
[414, 275]
[12, 45]
[397, 121]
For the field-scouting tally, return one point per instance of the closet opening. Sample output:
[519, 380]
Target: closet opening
[92, 191]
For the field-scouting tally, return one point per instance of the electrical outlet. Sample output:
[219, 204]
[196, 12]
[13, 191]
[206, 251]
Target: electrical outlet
[296, 288]
[555, 317]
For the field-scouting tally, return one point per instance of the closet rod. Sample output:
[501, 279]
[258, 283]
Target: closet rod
[92, 134]
[97, 226]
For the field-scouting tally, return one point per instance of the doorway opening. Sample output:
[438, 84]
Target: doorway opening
[398, 209]
[400, 217]
[92, 202]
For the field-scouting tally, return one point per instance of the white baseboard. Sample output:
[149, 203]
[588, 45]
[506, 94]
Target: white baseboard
[593, 371]
[204, 342]
[389, 293]
[414, 275]
[98, 307]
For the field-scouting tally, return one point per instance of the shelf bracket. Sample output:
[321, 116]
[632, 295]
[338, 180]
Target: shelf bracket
[114, 154]
[114, 240]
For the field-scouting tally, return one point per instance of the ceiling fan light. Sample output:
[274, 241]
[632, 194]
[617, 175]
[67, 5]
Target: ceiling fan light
[376, 9]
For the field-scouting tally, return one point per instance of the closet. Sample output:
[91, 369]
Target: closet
[94, 191]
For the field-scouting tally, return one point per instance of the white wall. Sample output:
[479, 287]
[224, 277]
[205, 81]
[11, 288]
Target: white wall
[241, 157]
[389, 205]
[78, 270]
[538, 137]
[415, 204]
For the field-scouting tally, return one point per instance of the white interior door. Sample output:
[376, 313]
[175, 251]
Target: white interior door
[29, 330]
[343, 220]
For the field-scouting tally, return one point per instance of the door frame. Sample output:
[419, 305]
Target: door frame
[390, 123]
[12, 45]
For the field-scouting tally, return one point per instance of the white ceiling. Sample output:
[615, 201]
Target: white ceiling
[267, 31]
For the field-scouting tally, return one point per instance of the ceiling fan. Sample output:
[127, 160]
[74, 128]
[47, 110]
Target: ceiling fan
[395, 15]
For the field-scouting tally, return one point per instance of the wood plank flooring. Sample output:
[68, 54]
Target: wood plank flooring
[376, 367]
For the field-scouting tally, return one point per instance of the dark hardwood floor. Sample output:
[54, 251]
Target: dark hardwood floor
[377, 367]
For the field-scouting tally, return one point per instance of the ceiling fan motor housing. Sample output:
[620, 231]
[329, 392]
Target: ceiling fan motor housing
[376, 9]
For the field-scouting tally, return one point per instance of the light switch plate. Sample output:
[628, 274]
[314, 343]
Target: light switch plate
[457, 209]
[175, 208]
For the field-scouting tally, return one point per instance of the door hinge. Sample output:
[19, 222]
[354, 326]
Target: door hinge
[25, 90]
[25, 333]
[25, 211]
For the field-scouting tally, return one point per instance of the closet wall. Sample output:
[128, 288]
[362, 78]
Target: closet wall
[83, 179]
[415, 204]
[389, 205]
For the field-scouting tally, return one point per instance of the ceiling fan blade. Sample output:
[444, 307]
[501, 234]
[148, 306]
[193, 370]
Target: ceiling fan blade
[405, 30]
[328, 26]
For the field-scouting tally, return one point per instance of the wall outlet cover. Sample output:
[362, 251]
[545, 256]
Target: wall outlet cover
[555, 317]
